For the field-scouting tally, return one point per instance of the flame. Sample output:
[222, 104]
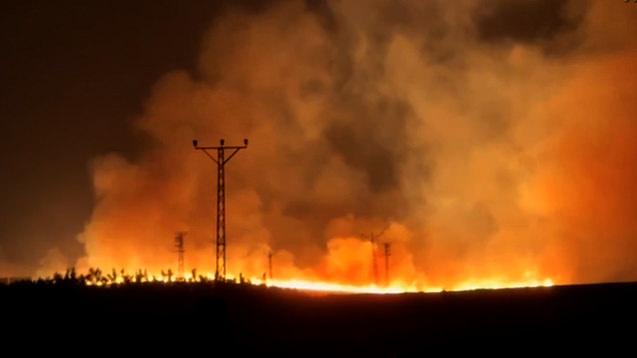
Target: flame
[495, 284]
[321, 286]
[306, 285]
[336, 287]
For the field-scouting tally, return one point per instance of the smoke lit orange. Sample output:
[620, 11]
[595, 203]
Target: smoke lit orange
[494, 161]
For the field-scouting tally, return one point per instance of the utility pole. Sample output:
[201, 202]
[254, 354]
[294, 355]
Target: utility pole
[179, 244]
[270, 264]
[221, 160]
[372, 240]
[387, 247]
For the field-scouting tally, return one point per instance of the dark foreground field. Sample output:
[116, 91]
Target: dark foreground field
[249, 318]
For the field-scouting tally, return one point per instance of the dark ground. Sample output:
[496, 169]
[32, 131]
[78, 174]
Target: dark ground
[250, 318]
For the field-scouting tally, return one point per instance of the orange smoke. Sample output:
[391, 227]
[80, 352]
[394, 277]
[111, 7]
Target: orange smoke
[585, 185]
[492, 160]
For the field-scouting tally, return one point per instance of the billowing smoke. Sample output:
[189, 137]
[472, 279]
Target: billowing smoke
[493, 140]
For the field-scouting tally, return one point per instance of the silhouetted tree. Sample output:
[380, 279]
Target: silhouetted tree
[57, 277]
[90, 276]
[113, 276]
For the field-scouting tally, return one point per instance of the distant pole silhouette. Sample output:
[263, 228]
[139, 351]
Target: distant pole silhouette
[270, 264]
[179, 244]
[221, 160]
[372, 240]
[387, 247]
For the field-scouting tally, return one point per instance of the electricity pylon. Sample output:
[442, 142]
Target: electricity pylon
[179, 244]
[372, 239]
[221, 160]
[270, 264]
[387, 247]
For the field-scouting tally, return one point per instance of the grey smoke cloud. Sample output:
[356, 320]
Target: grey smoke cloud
[436, 118]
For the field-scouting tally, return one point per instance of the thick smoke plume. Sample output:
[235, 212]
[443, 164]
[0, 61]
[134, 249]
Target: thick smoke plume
[495, 140]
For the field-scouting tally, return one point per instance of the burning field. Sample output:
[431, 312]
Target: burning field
[420, 174]
[492, 142]
[395, 147]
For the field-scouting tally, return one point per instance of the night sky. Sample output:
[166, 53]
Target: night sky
[74, 75]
